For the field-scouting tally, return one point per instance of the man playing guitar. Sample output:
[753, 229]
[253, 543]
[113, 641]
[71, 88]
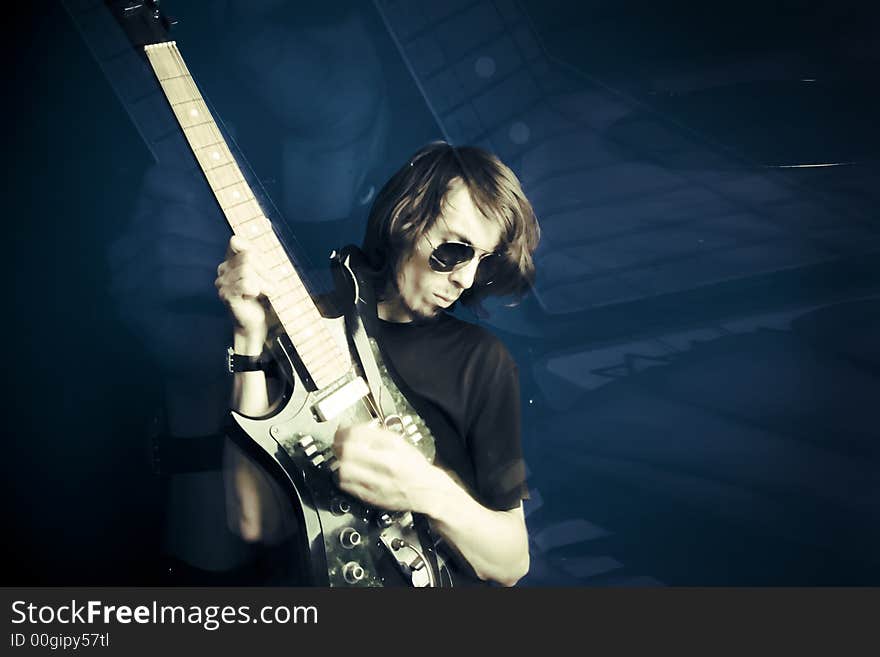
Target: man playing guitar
[451, 226]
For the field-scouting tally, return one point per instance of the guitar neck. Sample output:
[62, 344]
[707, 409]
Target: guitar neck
[319, 352]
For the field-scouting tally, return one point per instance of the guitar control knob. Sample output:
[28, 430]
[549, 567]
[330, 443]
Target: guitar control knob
[394, 423]
[353, 572]
[349, 537]
[339, 506]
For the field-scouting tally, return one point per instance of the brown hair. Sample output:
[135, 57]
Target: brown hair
[412, 200]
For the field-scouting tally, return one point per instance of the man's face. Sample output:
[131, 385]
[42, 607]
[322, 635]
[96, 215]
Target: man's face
[424, 292]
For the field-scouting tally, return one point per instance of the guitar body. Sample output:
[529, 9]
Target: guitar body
[299, 443]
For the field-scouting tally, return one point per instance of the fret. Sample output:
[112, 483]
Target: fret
[313, 336]
[297, 308]
[326, 369]
[327, 373]
[293, 285]
[296, 289]
[306, 348]
[307, 332]
[188, 100]
[242, 223]
[311, 339]
[225, 187]
[286, 289]
[232, 193]
[180, 90]
[292, 281]
[209, 157]
[244, 215]
[316, 357]
[481, 89]
[222, 177]
[285, 270]
[219, 166]
[260, 239]
[289, 276]
[237, 204]
[298, 319]
[174, 77]
[282, 261]
[279, 264]
[250, 227]
[292, 303]
[288, 304]
[256, 229]
[266, 242]
[277, 300]
[216, 143]
[193, 116]
[201, 135]
[296, 314]
[209, 122]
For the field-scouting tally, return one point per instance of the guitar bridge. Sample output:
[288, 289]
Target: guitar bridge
[336, 402]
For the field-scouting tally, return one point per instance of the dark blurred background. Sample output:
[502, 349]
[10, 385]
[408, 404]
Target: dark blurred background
[700, 359]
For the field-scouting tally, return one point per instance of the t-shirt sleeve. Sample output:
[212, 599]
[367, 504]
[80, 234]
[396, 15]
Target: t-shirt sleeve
[494, 438]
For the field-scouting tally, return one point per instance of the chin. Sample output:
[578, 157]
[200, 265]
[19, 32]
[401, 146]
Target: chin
[425, 310]
[429, 313]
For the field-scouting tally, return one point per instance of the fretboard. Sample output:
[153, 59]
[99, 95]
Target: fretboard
[321, 355]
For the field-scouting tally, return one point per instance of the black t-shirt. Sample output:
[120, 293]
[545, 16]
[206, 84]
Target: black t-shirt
[464, 384]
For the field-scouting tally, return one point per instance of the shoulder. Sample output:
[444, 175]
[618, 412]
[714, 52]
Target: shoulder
[481, 344]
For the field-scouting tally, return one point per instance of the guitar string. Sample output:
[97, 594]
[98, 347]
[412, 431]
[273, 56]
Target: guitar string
[373, 405]
[189, 82]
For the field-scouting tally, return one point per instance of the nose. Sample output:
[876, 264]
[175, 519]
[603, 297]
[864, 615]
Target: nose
[463, 277]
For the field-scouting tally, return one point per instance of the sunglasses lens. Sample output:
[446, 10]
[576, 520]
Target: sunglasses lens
[488, 270]
[450, 255]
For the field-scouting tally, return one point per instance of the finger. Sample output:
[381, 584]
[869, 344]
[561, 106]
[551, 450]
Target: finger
[246, 263]
[239, 244]
[248, 281]
[249, 287]
[339, 439]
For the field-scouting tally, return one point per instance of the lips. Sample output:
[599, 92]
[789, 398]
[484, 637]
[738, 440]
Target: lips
[444, 299]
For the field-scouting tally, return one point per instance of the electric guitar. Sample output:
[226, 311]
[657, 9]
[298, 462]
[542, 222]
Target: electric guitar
[334, 369]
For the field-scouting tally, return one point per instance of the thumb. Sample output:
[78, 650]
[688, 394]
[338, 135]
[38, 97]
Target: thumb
[237, 244]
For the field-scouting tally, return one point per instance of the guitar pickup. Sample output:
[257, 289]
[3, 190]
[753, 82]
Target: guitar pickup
[336, 402]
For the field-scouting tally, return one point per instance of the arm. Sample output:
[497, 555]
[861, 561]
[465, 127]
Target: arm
[250, 508]
[381, 469]
[494, 543]
[241, 285]
[250, 390]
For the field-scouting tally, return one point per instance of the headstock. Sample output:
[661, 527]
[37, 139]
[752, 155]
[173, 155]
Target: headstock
[142, 20]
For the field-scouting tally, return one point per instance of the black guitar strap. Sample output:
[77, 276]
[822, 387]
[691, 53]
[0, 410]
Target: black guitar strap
[364, 306]
[354, 323]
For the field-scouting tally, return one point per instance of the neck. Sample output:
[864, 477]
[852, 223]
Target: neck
[393, 310]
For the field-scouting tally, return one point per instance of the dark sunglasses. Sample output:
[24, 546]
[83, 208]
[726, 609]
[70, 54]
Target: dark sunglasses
[449, 256]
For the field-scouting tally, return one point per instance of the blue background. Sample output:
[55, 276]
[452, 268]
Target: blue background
[699, 360]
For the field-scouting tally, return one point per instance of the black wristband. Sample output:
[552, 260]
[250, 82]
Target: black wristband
[238, 363]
